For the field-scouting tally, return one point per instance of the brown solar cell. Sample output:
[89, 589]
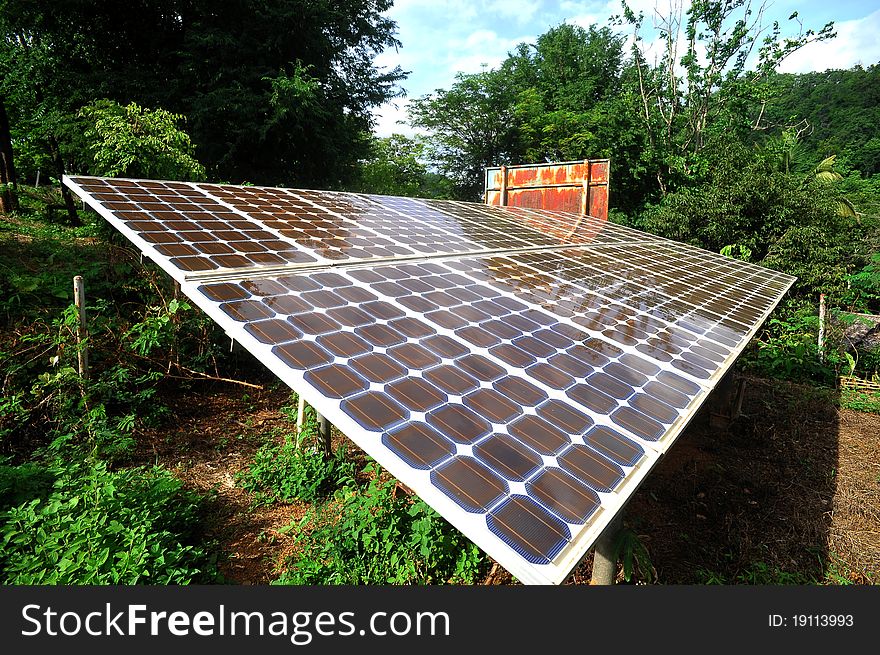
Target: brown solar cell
[414, 356]
[550, 376]
[480, 367]
[419, 445]
[520, 391]
[528, 528]
[591, 468]
[378, 368]
[564, 495]
[638, 423]
[344, 344]
[539, 435]
[459, 423]
[336, 381]
[507, 456]
[314, 323]
[592, 398]
[224, 292]
[492, 405]
[445, 346]
[653, 408]
[273, 331]
[451, 379]
[564, 416]
[469, 483]
[374, 411]
[512, 355]
[302, 355]
[614, 445]
[380, 335]
[416, 394]
[246, 310]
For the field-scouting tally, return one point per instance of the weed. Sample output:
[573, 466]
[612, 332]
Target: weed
[103, 527]
[284, 472]
[373, 535]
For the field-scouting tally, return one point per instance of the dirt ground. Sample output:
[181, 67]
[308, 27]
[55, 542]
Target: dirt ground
[790, 493]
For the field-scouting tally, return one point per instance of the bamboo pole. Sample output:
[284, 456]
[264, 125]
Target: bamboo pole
[82, 349]
[822, 327]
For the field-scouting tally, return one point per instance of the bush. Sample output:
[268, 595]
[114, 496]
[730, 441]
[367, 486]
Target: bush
[103, 527]
[374, 535]
[284, 472]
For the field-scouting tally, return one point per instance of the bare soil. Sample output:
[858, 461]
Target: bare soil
[789, 493]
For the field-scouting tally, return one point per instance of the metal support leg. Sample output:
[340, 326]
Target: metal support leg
[722, 403]
[300, 419]
[324, 434]
[604, 557]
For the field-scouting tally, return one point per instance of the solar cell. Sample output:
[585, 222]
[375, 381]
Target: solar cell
[521, 383]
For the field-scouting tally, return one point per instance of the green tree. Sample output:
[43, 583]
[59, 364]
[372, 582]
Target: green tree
[132, 141]
[472, 126]
[396, 167]
[707, 93]
[273, 92]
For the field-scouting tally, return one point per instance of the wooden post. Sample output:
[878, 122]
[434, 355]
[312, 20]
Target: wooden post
[604, 555]
[82, 349]
[822, 327]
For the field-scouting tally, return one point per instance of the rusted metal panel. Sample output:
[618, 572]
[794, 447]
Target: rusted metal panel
[579, 187]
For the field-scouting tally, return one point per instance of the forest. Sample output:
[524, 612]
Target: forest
[103, 479]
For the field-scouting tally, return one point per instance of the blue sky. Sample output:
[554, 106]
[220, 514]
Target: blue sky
[442, 37]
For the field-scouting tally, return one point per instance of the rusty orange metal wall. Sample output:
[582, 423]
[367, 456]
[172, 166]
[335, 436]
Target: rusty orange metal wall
[580, 187]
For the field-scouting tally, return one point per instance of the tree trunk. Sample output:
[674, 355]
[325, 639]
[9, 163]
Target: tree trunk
[8, 181]
[69, 203]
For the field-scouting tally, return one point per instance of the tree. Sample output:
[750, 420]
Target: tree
[713, 89]
[273, 92]
[396, 167]
[553, 100]
[132, 141]
[472, 125]
[8, 178]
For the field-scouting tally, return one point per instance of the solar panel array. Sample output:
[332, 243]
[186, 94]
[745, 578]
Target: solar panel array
[520, 370]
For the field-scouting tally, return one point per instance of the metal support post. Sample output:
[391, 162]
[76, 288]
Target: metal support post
[604, 555]
[324, 434]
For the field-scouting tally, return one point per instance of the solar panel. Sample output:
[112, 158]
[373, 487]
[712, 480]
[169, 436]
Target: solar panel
[522, 386]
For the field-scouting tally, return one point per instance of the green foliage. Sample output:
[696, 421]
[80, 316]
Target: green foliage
[758, 573]
[133, 141]
[634, 558]
[860, 401]
[396, 167]
[104, 527]
[781, 222]
[280, 97]
[285, 472]
[376, 536]
[21, 484]
[841, 109]
[787, 348]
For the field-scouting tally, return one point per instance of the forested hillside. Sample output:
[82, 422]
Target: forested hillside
[709, 144]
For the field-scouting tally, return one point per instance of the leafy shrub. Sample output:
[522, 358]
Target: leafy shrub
[103, 527]
[375, 536]
[788, 348]
[20, 484]
[284, 472]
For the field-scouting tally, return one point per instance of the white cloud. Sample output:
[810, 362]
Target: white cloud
[478, 49]
[857, 42]
[389, 119]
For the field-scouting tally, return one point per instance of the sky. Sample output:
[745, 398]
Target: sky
[443, 37]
